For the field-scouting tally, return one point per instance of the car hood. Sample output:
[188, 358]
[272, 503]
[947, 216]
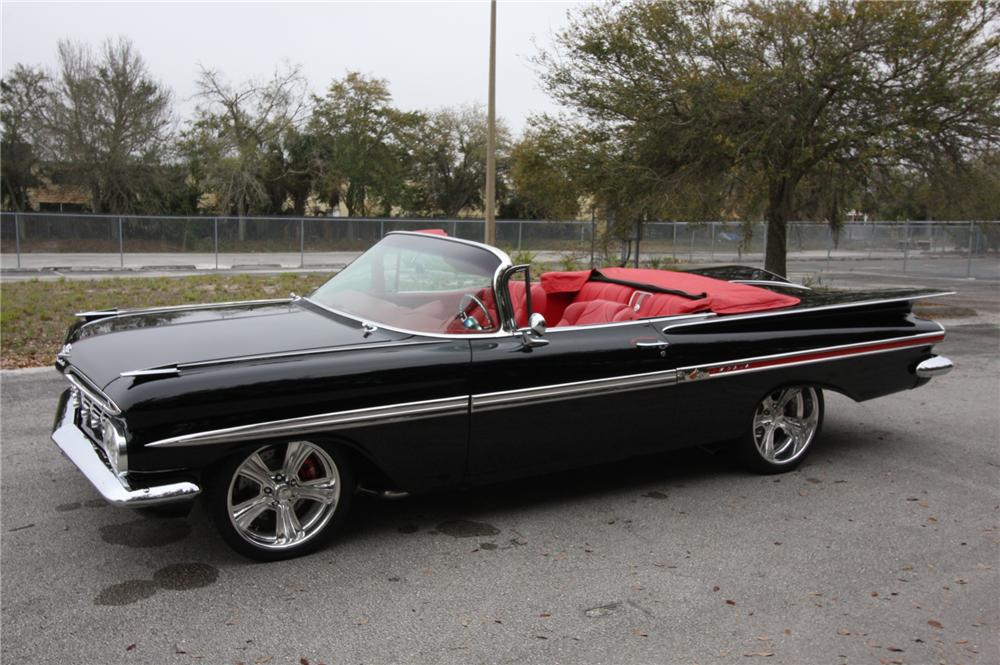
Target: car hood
[105, 348]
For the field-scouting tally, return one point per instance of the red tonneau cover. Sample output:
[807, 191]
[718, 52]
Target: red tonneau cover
[721, 297]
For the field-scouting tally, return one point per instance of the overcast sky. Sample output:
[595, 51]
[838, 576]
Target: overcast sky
[433, 53]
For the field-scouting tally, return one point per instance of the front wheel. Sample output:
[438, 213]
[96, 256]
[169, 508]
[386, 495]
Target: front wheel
[785, 423]
[282, 500]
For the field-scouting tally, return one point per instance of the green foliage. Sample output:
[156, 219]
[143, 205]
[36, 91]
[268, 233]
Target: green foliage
[569, 263]
[710, 103]
[522, 257]
[362, 143]
[25, 94]
[234, 146]
[448, 171]
[108, 124]
[544, 173]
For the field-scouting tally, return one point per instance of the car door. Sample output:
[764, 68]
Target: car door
[590, 394]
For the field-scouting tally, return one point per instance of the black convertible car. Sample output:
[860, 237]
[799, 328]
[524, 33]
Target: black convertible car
[422, 364]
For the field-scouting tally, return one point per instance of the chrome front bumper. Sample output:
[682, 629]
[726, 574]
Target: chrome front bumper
[77, 447]
[932, 367]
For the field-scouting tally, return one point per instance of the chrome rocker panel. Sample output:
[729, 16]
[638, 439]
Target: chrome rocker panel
[77, 447]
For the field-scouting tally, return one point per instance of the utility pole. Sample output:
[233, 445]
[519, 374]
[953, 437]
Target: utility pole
[491, 134]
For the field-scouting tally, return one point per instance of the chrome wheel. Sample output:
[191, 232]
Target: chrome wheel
[281, 496]
[785, 423]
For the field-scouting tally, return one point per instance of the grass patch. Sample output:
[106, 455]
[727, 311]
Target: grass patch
[34, 314]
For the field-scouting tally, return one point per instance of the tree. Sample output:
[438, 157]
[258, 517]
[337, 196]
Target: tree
[448, 173]
[24, 94]
[110, 123]
[769, 94]
[545, 178]
[230, 145]
[361, 140]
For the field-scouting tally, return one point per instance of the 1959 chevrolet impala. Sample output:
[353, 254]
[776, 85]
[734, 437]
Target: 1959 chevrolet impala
[422, 364]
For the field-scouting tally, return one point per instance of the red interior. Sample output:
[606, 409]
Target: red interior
[573, 299]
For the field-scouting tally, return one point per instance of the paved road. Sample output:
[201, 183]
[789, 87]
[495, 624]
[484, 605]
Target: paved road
[882, 548]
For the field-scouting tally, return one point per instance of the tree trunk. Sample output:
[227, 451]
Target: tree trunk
[779, 209]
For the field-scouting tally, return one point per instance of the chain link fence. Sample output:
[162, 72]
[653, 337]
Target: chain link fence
[84, 241]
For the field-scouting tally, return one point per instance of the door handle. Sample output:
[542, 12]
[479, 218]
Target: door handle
[661, 345]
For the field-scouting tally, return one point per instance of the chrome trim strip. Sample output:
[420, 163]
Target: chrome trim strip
[172, 370]
[739, 366]
[106, 313]
[86, 386]
[771, 282]
[936, 366]
[561, 391]
[78, 448]
[651, 321]
[805, 310]
[323, 422]
[178, 367]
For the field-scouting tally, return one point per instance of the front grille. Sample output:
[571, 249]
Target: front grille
[91, 415]
[95, 412]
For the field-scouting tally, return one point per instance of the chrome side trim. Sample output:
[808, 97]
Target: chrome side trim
[178, 367]
[323, 422]
[166, 370]
[78, 448]
[771, 282]
[86, 386]
[936, 366]
[804, 310]
[653, 320]
[560, 391]
[804, 357]
[105, 313]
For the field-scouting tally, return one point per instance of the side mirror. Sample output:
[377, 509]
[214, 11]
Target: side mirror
[533, 335]
[536, 323]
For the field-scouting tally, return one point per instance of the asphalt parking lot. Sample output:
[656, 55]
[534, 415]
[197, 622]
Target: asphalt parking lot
[882, 548]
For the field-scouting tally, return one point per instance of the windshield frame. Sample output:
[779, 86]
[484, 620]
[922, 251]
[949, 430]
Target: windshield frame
[501, 298]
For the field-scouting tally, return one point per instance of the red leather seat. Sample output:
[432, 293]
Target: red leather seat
[596, 311]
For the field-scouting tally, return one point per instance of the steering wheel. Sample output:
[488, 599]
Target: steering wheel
[469, 322]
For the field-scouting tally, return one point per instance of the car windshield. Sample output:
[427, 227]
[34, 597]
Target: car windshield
[418, 282]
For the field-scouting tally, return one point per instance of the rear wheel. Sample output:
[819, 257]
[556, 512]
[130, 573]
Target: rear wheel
[784, 426]
[282, 500]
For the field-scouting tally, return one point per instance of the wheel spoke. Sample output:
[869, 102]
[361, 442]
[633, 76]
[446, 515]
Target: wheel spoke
[295, 455]
[256, 470]
[787, 395]
[762, 420]
[798, 431]
[245, 513]
[323, 491]
[287, 529]
[768, 443]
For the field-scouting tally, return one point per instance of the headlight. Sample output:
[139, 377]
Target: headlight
[113, 442]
